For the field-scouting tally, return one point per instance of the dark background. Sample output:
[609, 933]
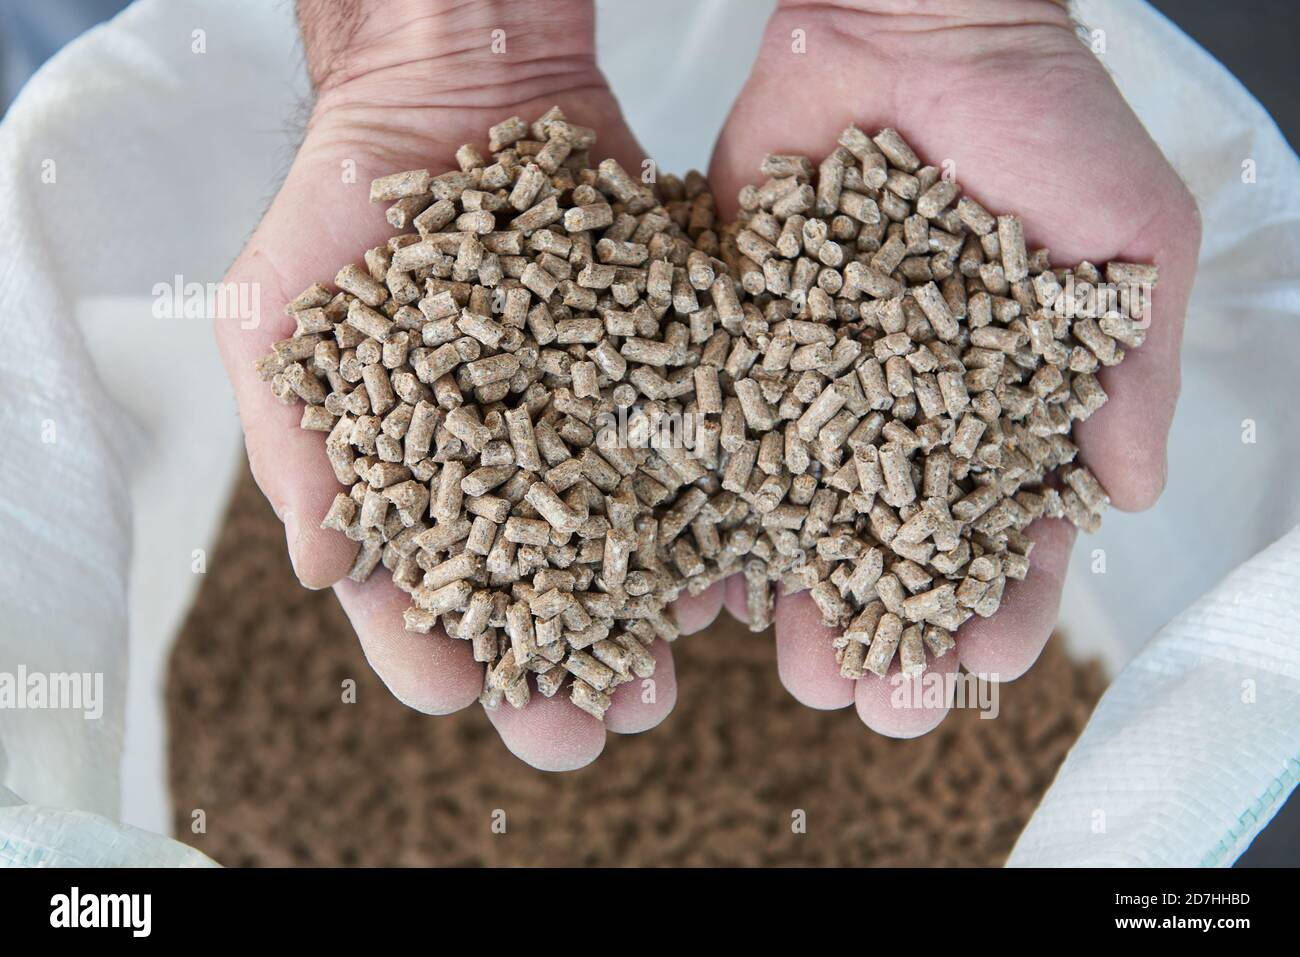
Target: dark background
[1254, 39]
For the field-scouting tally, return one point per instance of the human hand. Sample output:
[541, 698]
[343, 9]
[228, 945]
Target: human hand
[1034, 126]
[400, 85]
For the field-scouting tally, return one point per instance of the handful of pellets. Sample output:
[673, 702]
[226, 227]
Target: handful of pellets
[875, 382]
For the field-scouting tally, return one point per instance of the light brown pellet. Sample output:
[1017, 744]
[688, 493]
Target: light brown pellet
[594, 702]
[399, 185]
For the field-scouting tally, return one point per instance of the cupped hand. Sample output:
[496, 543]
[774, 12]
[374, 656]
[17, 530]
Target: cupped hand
[400, 85]
[1005, 91]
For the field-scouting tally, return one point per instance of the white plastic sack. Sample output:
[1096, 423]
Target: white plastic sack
[130, 159]
[1197, 743]
[1195, 746]
[45, 837]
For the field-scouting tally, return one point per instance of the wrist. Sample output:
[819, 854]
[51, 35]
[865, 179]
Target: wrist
[422, 53]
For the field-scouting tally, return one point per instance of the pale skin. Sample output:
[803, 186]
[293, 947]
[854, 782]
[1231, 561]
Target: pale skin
[1026, 112]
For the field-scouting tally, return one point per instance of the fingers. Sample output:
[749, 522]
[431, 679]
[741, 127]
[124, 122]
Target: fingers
[696, 612]
[290, 475]
[553, 739]
[901, 707]
[805, 655]
[430, 673]
[637, 705]
[438, 675]
[733, 598]
[288, 463]
[549, 733]
[642, 703]
[1000, 648]
[1003, 647]
[1125, 441]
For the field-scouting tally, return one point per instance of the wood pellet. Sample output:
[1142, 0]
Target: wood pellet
[881, 381]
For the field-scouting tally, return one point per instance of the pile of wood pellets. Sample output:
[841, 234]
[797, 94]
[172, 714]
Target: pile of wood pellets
[874, 383]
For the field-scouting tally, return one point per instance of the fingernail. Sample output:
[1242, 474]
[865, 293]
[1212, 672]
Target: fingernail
[292, 535]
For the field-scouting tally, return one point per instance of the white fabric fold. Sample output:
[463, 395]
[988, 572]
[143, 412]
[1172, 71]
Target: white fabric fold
[1196, 744]
[47, 837]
